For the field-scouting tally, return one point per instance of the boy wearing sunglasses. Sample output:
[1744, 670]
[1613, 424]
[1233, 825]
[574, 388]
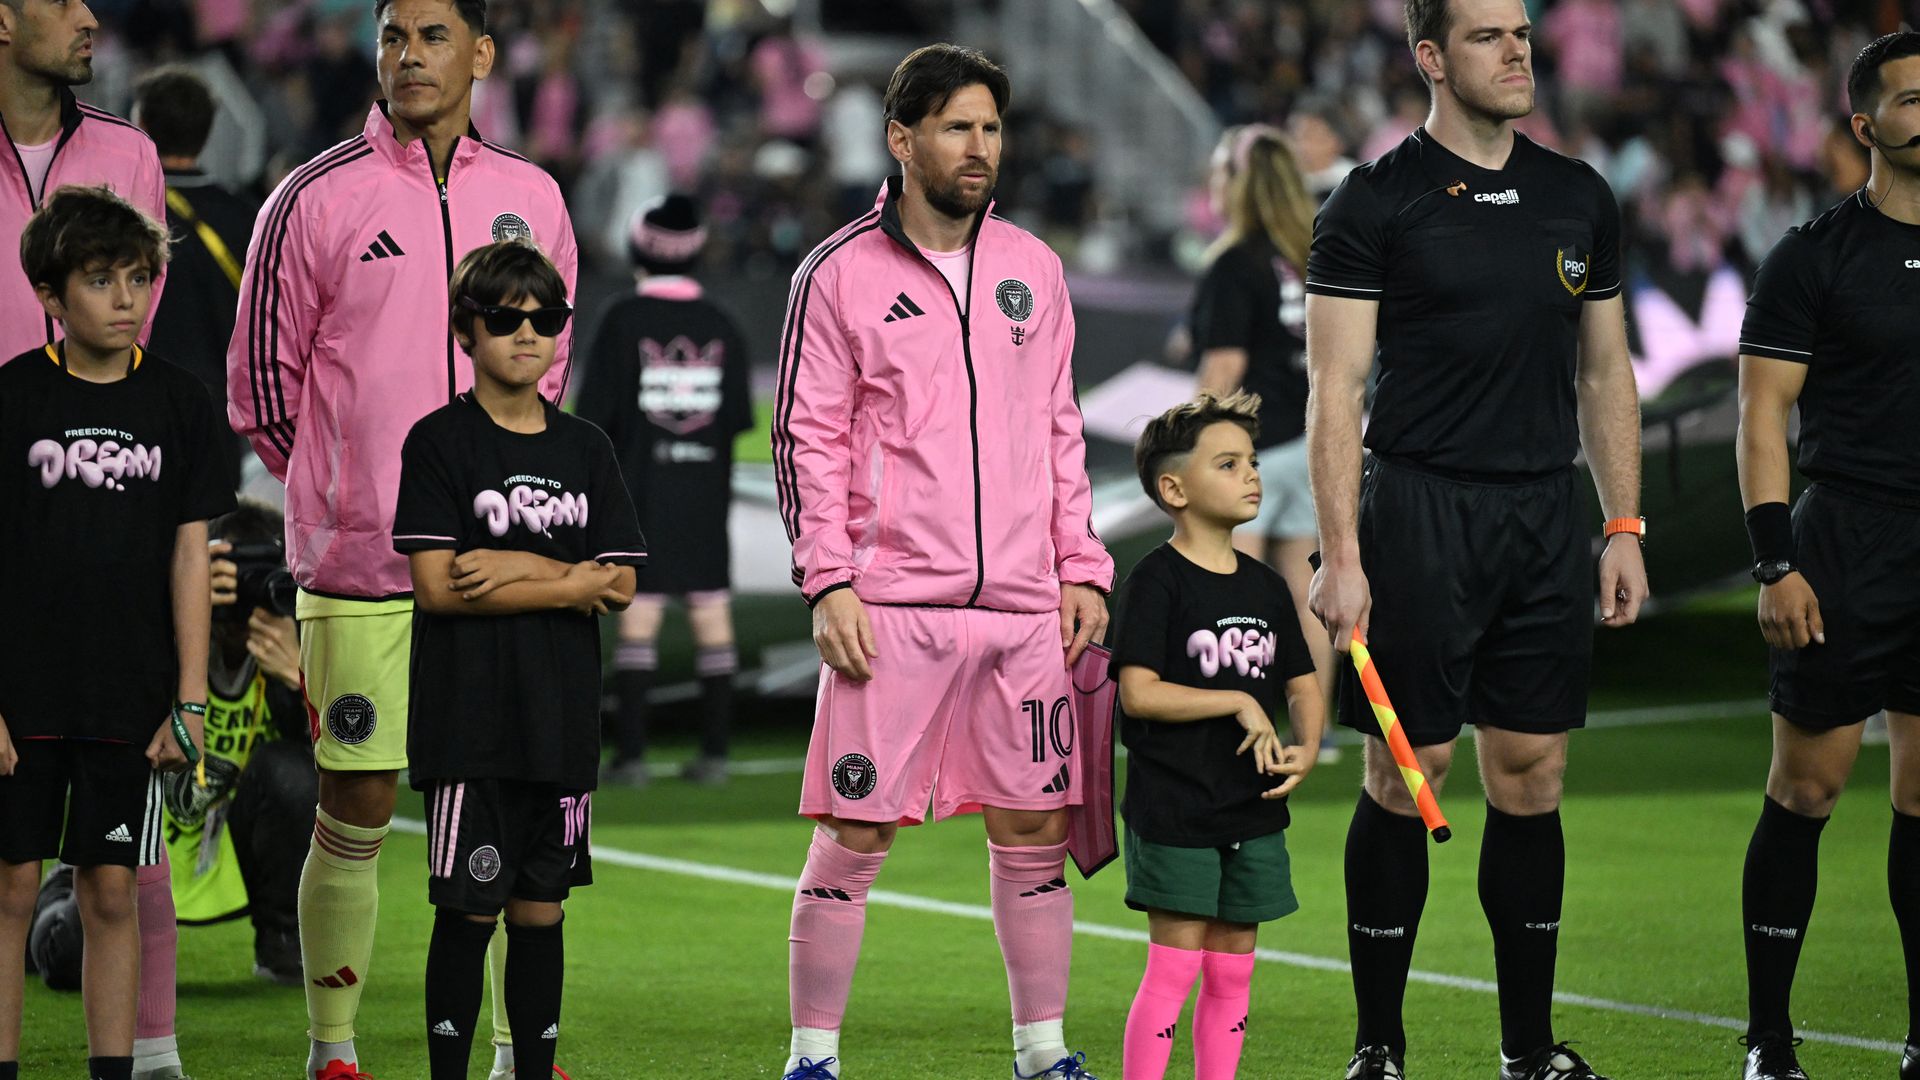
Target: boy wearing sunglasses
[518, 532]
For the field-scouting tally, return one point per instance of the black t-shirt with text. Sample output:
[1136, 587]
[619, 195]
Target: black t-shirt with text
[97, 480]
[1839, 294]
[1481, 276]
[1208, 631]
[509, 696]
[1251, 298]
[668, 381]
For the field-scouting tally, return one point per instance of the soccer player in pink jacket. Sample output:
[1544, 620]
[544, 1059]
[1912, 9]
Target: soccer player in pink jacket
[933, 480]
[341, 344]
[50, 140]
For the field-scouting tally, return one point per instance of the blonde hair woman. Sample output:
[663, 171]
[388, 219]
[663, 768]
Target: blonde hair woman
[1249, 333]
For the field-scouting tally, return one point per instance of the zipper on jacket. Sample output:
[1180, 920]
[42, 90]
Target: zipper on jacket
[973, 405]
[26, 180]
[446, 229]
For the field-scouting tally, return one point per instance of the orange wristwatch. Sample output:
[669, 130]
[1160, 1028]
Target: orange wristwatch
[1635, 525]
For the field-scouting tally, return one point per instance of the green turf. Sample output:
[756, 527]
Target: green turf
[676, 976]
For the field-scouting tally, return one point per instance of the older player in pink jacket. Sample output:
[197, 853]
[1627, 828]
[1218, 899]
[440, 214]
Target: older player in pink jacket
[342, 342]
[48, 138]
[933, 480]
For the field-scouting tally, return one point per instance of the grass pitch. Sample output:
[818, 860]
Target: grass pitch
[671, 974]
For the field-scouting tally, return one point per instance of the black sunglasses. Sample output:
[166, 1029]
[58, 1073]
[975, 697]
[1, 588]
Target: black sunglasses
[502, 320]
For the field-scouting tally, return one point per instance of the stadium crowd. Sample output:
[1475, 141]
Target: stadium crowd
[1718, 123]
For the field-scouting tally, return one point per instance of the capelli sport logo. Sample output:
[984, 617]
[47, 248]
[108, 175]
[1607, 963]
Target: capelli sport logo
[1571, 266]
[1913, 264]
[1509, 197]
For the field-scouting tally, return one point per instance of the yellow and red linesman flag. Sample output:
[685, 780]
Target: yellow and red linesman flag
[1397, 743]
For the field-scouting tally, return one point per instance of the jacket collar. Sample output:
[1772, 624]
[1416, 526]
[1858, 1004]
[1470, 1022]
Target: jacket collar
[70, 118]
[70, 114]
[380, 135]
[888, 203]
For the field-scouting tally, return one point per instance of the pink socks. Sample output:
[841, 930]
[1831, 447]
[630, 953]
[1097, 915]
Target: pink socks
[159, 936]
[1155, 1015]
[1033, 918]
[829, 917]
[1220, 1016]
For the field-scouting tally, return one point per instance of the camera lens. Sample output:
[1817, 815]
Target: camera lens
[278, 591]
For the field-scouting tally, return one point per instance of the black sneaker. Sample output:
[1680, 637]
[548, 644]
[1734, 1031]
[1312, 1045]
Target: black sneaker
[1910, 1062]
[1770, 1057]
[1556, 1062]
[1374, 1063]
[276, 957]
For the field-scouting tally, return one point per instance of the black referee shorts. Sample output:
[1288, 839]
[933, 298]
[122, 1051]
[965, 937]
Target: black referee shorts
[87, 802]
[493, 840]
[1482, 603]
[1861, 555]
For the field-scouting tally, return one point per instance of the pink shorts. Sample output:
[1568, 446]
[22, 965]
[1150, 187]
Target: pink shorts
[967, 708]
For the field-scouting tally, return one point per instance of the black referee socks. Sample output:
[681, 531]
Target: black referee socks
[536, 970]
[1523, 877]
[456, 958]
[110, 1068]
[1776, 900]
[1903, 886]
[1386, 890]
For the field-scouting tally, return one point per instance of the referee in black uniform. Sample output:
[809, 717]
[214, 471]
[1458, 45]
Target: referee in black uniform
[1486, 271]
[1830, 327]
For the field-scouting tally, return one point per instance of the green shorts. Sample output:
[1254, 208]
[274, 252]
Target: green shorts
[1247, 882]
[354, 657]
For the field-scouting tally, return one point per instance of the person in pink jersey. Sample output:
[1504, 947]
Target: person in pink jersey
[50, 140]
[932, 478]
[341, 344]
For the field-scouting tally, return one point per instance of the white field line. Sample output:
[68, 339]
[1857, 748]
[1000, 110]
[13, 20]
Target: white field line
[1599, 718]
[886, 898]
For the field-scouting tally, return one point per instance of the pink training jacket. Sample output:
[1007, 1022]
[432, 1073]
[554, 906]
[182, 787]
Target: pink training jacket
[923, 457]
[343, 337]
[94, 147]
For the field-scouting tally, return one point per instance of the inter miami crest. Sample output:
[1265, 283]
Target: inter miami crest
[484, 863]
[351, 719]
[511, 227]
[1571, 264]
[853, 776]
[1015, 299]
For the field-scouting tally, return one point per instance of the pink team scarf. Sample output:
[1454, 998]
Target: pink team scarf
[1090, 833]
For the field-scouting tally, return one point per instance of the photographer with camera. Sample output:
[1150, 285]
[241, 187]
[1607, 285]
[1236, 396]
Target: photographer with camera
[244, 817]
[228, 821]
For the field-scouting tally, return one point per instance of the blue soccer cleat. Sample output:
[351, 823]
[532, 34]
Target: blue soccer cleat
[1067, 1068]
[809, 1069]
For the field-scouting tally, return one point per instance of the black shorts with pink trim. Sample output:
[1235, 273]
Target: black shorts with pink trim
[494, 840]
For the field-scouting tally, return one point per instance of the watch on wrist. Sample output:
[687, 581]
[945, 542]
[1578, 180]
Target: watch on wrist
[1635, 525]
[1768, 571]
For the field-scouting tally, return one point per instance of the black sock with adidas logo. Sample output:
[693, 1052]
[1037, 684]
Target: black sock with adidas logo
[106, 1068]
[456, 960]
[536, 971]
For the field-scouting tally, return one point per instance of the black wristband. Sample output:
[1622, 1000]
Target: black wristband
[1770, 531]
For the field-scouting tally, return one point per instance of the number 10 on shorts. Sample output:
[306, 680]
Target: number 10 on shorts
[1050, 725]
